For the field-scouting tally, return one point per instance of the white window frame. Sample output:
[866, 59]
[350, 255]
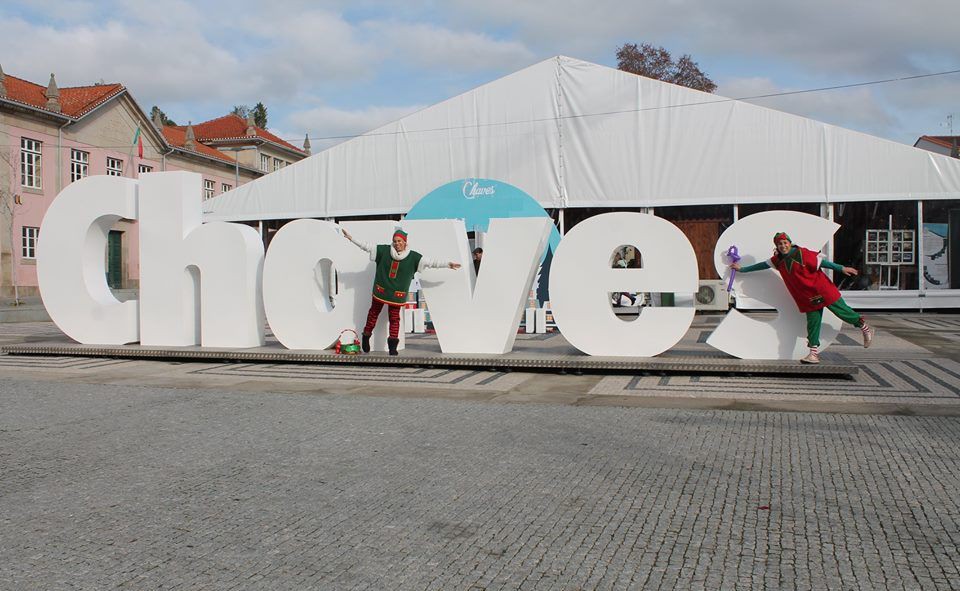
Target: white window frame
[79, 164]
[208, 188]
[31, 156]
[142, 168]
[265, 162]
[28, 242]
[278, 164]
[114, 166]
[224, 187]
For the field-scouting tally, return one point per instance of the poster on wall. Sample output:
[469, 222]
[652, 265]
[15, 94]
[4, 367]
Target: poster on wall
[936, 270]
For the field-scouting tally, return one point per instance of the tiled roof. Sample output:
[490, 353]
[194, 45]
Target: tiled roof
[234, 127]
[75, 101]
[177, 136]
[941, 140]
[79, 100]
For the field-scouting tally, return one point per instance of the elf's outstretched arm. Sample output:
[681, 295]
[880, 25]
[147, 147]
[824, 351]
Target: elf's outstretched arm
[824, 263]
[750, 268]
[361, 245]
[425, 264]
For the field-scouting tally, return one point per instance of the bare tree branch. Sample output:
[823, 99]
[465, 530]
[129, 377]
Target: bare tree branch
[657, 63]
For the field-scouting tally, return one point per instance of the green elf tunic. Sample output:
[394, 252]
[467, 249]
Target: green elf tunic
[395, 271]
[392, 281]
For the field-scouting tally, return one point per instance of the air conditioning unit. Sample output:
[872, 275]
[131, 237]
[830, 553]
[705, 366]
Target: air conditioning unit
[712, 295]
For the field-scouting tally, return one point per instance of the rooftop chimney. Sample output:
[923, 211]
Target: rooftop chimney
[53, 95]
[190, 141]
[306, 143]
[157, 120]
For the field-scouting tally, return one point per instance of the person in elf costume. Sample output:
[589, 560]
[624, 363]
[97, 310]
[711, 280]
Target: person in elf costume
[396, 265]
[811, 289]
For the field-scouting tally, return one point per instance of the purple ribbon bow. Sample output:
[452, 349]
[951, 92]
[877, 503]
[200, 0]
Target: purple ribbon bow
[734, 255]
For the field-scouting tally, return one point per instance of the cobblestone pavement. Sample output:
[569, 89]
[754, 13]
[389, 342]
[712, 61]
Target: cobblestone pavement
[132, 487]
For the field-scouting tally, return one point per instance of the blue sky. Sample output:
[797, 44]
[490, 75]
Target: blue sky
[332, 68]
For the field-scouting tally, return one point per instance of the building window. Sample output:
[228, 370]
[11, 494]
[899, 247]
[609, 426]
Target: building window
[30, 163]
[79, 164]
[142, 168]
[264, 162]
[225, 187]
[879, 239]
[114, 167]
[208, 189]
[278, 164]
[28, 242]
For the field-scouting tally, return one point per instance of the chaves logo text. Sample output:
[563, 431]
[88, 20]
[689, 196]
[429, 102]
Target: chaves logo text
[473, 189]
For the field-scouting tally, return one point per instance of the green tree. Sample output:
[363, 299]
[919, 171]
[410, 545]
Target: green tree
[260, 115]
[259, 112]
[656, 62]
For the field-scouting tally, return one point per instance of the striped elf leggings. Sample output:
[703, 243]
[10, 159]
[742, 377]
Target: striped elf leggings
[840, 309]
[393, 314]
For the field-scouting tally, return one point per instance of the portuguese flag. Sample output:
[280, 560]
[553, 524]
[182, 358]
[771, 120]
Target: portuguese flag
[138, 142]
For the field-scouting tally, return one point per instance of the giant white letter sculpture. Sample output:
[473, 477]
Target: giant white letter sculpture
[303, 308]
[484, 318]
[581, 280]
[358, 279]
[784, 337]
[70, 261]
[199, 284]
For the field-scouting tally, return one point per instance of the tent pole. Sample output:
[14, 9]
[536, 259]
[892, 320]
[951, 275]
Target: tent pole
[918, 252]
[562, 225]
[826, 211]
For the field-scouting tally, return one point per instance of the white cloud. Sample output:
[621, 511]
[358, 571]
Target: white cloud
[298, 50]
[927, 93]
[855, 108]
[115, 52]
[430, 46]
[584, 29]
[171, 55]
[329, 126]
[200, 59]
[63, 10]
[882, 36]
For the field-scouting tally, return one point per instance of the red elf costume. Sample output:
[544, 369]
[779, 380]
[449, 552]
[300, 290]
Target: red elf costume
[812, 290]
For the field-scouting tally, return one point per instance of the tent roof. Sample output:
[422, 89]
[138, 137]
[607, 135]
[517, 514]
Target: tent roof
[576, 134]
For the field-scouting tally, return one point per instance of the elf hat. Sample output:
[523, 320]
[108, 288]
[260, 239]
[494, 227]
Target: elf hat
[398, 233]
[781, 236]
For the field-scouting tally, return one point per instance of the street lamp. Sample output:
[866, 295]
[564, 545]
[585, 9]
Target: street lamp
[236, 161]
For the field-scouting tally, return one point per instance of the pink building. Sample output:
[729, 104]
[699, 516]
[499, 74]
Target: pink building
[54, 136]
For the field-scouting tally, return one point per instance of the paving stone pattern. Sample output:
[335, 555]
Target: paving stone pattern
[124, 487]
[892, 370]
[315, 374]
[376, 377]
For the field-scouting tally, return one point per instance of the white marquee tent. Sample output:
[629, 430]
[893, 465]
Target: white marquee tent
[576, 134]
